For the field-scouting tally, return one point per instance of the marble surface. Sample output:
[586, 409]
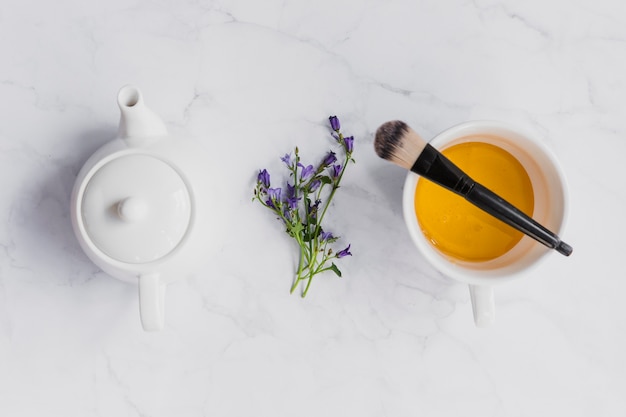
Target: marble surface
[251, 80]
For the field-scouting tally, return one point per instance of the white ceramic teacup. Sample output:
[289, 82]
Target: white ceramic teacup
[550, 193]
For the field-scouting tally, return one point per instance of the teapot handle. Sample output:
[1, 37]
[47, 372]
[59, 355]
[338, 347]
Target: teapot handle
[151, 302]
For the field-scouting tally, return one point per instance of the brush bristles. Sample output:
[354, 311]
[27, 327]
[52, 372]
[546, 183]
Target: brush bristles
[396, 142]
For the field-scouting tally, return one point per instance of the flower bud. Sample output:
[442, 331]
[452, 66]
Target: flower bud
[330, 158]
[349, 143]
[344, 252]
[334, 123]
[264, 178]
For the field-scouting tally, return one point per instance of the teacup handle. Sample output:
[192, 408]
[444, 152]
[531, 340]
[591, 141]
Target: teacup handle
[483, 305]
[151, 302]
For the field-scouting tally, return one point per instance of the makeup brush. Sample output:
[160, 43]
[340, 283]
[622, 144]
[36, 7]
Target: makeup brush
[398, 143]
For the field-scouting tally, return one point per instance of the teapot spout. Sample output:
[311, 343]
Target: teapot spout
[137, 120]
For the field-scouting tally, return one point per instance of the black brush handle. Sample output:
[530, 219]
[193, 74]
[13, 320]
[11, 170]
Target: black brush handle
[432, 165]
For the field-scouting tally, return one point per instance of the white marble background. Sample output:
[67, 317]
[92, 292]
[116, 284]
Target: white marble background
[251, 80]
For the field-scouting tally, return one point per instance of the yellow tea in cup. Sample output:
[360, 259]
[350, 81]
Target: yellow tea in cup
[461, 230]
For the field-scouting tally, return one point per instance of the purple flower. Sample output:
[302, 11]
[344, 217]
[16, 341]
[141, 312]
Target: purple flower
[292, 199]
[315, 184]
[264, 178]
[292, 203]
[306, 173]
[344, 252]
[326, 236]
[330, 159]
[286, 159]
[334, 123]
[274, 193]
[349, 143]
[336, 171]
[287, 214]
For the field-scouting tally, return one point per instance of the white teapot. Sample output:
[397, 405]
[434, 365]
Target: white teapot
[141, 206]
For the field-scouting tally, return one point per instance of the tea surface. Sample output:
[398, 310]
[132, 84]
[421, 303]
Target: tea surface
[458, 228]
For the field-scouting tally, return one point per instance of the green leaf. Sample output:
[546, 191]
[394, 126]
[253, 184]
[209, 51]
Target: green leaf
[296, 228]
[325, 179]
[336, 270]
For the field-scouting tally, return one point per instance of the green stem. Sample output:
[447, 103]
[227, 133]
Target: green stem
[332, 193]
[308, 284]
[315, 271]
[312, 272]
[300, 268]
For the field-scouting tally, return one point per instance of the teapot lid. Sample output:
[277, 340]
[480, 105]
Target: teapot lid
[136, 208]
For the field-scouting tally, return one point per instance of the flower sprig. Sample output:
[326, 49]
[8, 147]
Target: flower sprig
[302, 205]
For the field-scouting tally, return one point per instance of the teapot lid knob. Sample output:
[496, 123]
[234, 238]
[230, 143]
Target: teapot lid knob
[132, 209]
